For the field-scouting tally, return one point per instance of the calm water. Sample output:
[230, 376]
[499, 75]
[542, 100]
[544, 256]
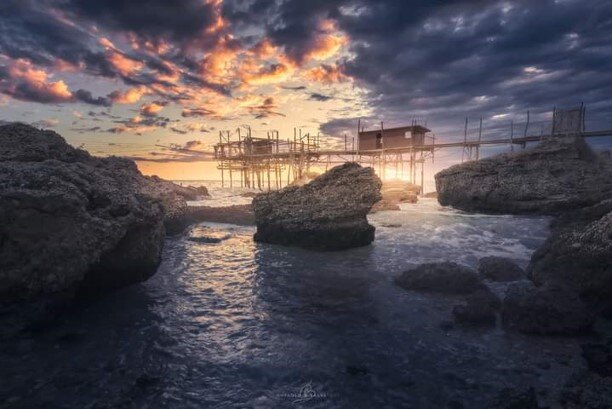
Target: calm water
[243, 325]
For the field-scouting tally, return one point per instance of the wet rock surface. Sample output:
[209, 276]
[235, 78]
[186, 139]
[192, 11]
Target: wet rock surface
[69, 220]
[328, 213]
[445, 278]
[553, 309]
[579, 252]
[480, 308]
[395, 192]
[500, 269]
[558, 175]
[236, 214]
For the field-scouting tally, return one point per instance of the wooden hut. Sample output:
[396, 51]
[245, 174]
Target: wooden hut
[400, 137]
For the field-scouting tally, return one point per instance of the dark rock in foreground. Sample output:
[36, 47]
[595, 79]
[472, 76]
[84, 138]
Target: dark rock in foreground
[553, 309]
[513, 399]
[328, 213]
[480, 308]
[559, 174]
[69, 220]
[579, 252]
[499, 269]
[599, 357]
[445, 277]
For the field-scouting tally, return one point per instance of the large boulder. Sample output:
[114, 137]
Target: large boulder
[328, 213]
[559, 174]
[499, 269]
[394, 192]
[579, 252]
[69, 220]
[444, 277]
[553, 309]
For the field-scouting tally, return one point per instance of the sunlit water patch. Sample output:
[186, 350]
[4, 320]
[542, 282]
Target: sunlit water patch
[237, 324]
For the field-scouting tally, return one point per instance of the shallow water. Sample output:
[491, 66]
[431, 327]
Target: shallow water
[239, 324]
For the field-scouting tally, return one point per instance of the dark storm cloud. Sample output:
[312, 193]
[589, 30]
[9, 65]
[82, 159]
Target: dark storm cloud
[86, 97]
[29, 30]
[177, 19]
[449, 59]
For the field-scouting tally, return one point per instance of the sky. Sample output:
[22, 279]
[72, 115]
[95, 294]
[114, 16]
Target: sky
[130, 78]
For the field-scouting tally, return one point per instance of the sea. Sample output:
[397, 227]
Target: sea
[239, 324]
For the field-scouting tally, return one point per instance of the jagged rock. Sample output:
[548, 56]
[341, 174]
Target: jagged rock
[69, 220]
[499, 269]
[579, 252]
[161, 187]
[559, 174]
[587, 391]
[513, 399]
[328, 213]
[445, 277]
[480, 308]
[598, 357]
[395, 192]
[553, 309]
[384, 205]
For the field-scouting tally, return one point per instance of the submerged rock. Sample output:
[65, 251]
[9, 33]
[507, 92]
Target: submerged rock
[480, 308]
[513, 399]
[599, 357]
[328, 213]
[499, 269]
[445, 277]
[559, 174]
[395, 192]
[579, 252]
[553, 309]
[69, 220]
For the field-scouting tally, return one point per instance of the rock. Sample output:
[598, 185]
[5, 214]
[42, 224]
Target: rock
[559, 174]
[235, 214]
[513, 399]
[206, 239]
[248, 194]
[391, 225]
[163, 187]
[69, 220]
[431, 195]
[579, 252]
[480, 308]
[499, 269]
[395, 192]
[384, 205]
[445, 277]
[553, 309]
[599, 357]
[328, 213]
[587, 391]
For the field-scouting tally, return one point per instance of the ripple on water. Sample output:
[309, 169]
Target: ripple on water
[242, 324]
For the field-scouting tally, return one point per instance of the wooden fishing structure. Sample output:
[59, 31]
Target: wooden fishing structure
[272, 162]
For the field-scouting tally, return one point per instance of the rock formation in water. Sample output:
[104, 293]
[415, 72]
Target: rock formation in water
[552, 309]
[444, 277]
[69, 220]
[559, 174]
[561, 177]
[499, 269]
[395, 192]
[328, 213]
[579, 252]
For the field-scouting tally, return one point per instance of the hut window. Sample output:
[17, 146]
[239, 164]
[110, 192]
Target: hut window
[407, 134]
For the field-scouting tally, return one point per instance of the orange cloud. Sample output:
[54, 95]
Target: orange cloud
[32, 83]
[327, 74]
[326, 46]
[124, 65]
[151, 109]
[130, 96]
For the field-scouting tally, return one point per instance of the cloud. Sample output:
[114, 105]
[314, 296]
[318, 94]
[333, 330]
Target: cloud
[196, 112]
[315, 96]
